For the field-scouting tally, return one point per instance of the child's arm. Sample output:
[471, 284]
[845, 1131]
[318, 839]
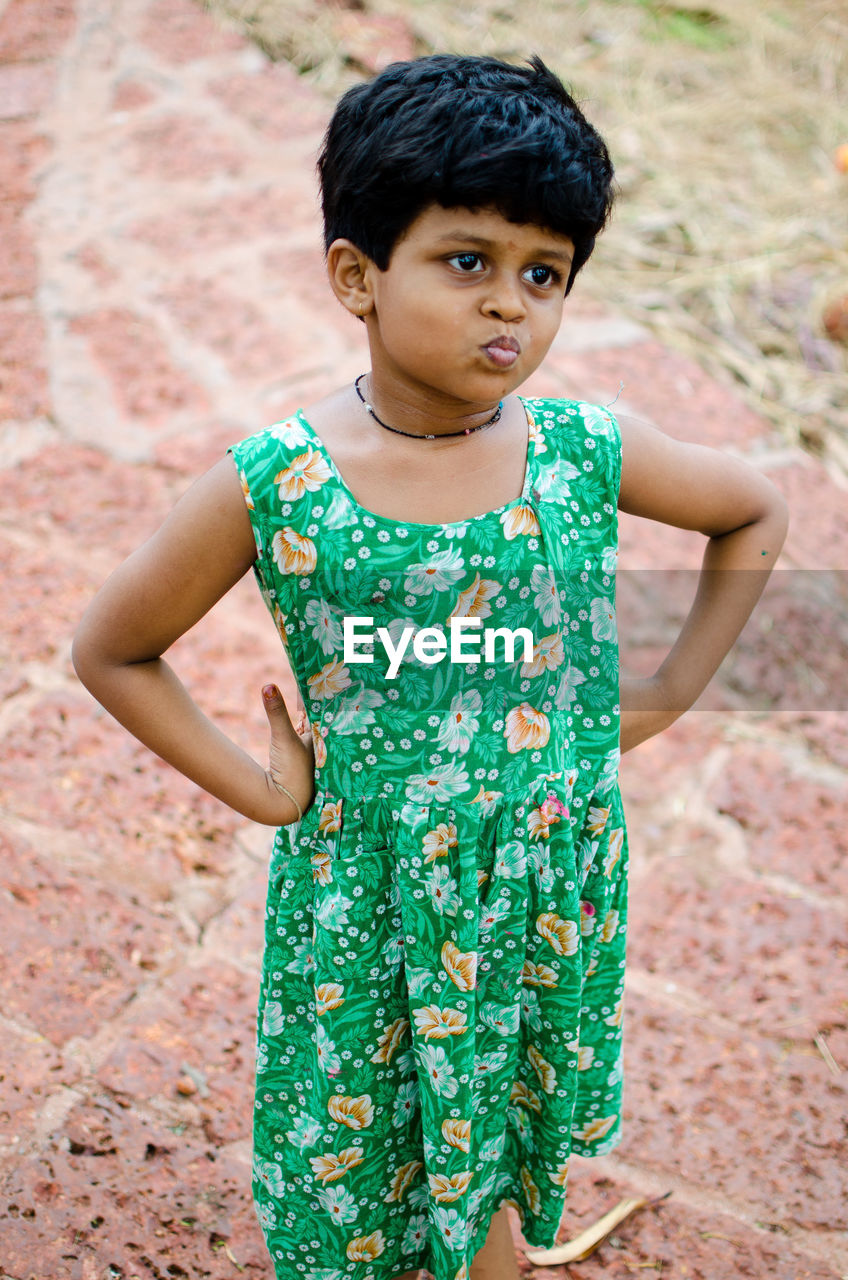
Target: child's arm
[745, 519]
[162, 590]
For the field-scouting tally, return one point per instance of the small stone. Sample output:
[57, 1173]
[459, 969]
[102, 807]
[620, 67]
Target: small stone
[186, 1087]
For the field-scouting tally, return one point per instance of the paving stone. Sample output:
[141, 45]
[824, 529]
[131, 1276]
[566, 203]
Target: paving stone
[73, 951]
[122, 504]
[145, 381]
[25, 90]
[231, 326]
[673, 1239]
[758, 956]
[18, 274]
[818, 515]
[130, 94]
[178, 32]
[793, 826]
[194, 230]
[119, 1193]
[183, 149]
[760, 1122]
[34, 29]
[38, 620]
[274, 101]
[67, 766]
[24, 391]
[668, 389]
[31, 1069]
[197, 1025]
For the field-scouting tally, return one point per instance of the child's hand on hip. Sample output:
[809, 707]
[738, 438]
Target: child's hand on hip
[290, 772]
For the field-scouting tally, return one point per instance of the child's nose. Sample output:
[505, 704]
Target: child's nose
[504, 302]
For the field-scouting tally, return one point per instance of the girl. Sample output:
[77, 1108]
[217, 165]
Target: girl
[441, 998]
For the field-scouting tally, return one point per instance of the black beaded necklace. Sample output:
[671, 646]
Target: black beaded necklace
[414, 435]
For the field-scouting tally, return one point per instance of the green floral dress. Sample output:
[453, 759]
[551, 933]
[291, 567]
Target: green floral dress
[441, 999]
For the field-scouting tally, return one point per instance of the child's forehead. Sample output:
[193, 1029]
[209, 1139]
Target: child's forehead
[436, 223]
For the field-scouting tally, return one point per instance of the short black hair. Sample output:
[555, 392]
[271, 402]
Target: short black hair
[462, 132]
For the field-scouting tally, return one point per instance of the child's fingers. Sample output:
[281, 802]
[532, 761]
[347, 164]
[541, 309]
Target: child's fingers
[278, 713]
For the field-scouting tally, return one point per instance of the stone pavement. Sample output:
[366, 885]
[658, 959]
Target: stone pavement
[161, 294]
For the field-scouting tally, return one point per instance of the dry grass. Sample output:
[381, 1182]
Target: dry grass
[723, 117]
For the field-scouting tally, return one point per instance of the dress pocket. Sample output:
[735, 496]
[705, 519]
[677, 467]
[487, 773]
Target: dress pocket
[357, 917]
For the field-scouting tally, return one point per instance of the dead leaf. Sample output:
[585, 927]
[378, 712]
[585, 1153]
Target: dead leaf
[586, 1243]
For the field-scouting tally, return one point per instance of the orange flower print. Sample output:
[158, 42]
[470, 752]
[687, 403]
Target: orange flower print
[616, 844]
[318, 736]
[279, 619]
[560, 1175]
[538, 975]
[445, 1189]
[434, 1023]
[543, 1069]
[437, 842]
[526, 728]
[595, 1129]
[537, 436]
[245, 488]
[531, 1191]
[328, 995]
[473, 600]
[391, 1040]
[521, 1095]
[366, 1248]
[356, 1113]
[585, 1057]
[305, 473]
[457, 1133]
[330, 680]
[610, 928]
[548, 654]
[402, 1181]
[487, 800]
[597, 819]
[293, 552]
[331, 1167]
[520, 520]
[322, 866]
[561, 934]
[461, 967]
[331, 816]
[614, 1020]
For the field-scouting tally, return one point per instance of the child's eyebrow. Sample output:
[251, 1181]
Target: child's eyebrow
[481, 242]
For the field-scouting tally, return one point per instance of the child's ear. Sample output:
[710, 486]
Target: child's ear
[349, 273]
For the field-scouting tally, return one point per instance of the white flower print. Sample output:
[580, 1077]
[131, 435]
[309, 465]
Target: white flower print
[438, 1071]
[341, 511]
[546, 595]
[603, 619]
[567, 688]
[440, 784]
[438, 573]
[442, 890]
[458, 728]
[324, 621]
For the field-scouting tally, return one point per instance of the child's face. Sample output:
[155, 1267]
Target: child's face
[458, 282]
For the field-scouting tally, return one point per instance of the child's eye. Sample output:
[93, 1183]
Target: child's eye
[465, 261]
[541, 275]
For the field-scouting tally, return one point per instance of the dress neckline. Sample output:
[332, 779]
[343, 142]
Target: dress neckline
[419, 524]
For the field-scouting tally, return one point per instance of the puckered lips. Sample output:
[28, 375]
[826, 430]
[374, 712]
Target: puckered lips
[503, 350]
